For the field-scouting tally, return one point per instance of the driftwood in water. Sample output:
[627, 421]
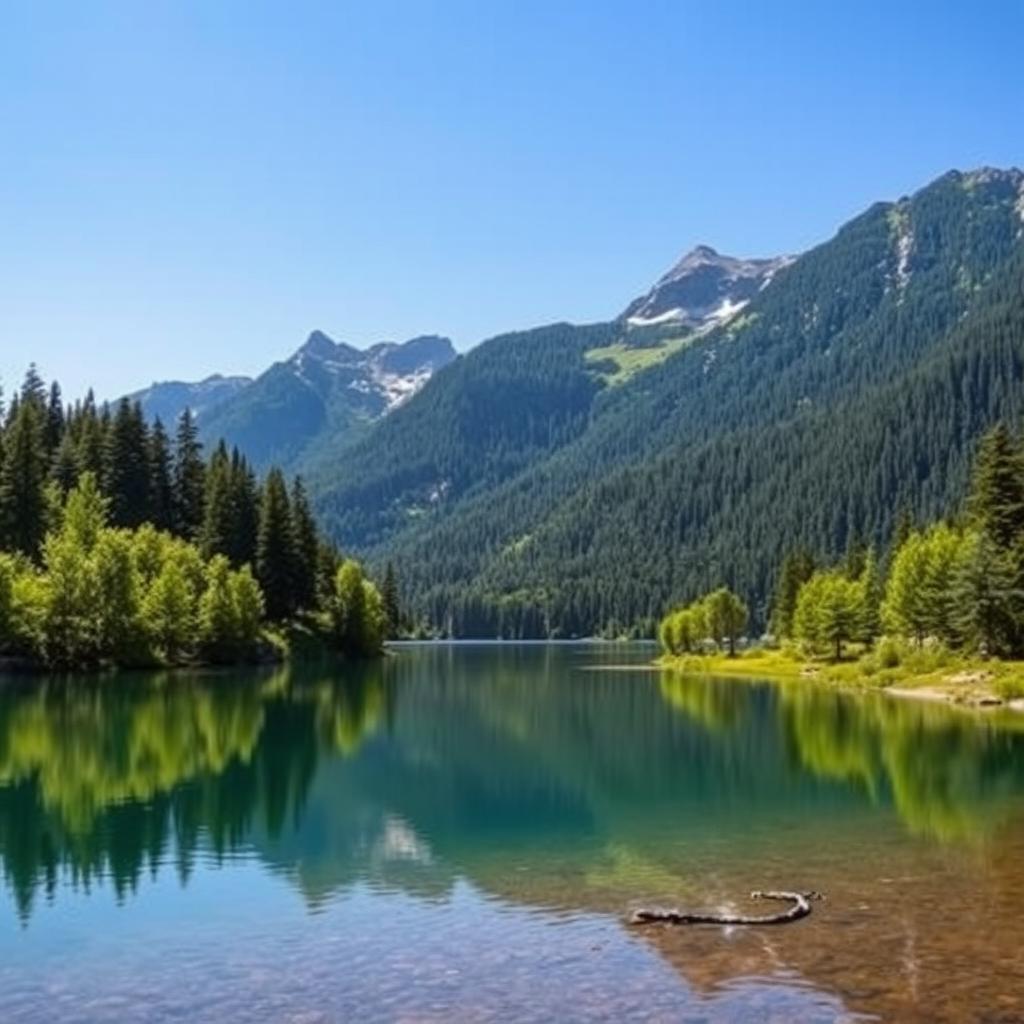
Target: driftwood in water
[801, 908]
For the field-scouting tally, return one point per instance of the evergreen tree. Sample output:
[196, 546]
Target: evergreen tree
[23, 480]
[245, 502]
[856, 556]
[188, 479]
[985, 596]
[389, 596]
[161, 483]
[215, 534]
[996, 500]
[904, 527]
[871, 594]
[797, 569]
[54, 419]
[127, 477]
[90, 445]
[275, 551]
[65, 468]
[33, 390]
[306, 547]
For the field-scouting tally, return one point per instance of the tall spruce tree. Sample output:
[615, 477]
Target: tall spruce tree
[306, 547]
[161, 482]
[245, 504]
[996, 500]
[189, 474]
[127, 479]
[390, 599]
[90, 439]
[23, 480]
[54, 419]
[797, 569]
[275, 551]
[218, 515]
[33, 389]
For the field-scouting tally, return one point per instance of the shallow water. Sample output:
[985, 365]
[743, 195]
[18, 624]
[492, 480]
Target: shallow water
[459, 832]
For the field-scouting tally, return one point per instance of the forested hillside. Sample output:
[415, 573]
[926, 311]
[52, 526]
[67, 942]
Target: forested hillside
[857, 383]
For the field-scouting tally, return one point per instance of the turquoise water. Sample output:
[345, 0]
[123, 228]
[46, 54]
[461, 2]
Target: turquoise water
[459, 832]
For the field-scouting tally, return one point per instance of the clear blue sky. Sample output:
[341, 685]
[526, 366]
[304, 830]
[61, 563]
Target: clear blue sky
[192, 187]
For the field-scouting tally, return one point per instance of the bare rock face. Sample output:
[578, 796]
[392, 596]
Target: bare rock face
[703, 290]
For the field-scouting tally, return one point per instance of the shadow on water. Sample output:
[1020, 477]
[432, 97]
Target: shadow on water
[546, 785]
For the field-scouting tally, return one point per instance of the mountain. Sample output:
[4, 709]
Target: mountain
[703, 290]
[303, 409]
[570, 480]
[168, 399]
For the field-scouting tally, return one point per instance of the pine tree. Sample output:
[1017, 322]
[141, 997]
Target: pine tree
[161, 485]
[65, 471]
[90, 444]
[245, 504]
[188, 479]
[306, 547]
[127, 477]
[215, 534]
[996, 500]
[33, 390]
[275, 551]
[23, 481]
[389, 595]
[797, 569]
[985, 596]
[54, 419]
[870, 584]
[904, 527]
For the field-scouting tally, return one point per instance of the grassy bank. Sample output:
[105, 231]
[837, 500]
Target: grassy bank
[928, 673]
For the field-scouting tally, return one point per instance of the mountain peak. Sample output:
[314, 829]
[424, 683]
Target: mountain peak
[318, 345]
[703, 289]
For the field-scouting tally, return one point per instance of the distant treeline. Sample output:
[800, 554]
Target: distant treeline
[120, 545]
[958, 583]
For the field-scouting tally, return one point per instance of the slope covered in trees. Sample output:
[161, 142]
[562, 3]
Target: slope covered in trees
[855, 385]
[956, 585]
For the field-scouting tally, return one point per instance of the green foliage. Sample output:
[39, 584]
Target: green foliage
[390, 599]
[169, 612]
[797, 569]
[275, 552]
[829, 611]
[230, 612]
[357, 612]
[189, 479]
[22, 481]
[726, 617]
[720, 615]
[996, 502]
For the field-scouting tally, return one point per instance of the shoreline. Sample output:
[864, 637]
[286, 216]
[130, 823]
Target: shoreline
[965, 684]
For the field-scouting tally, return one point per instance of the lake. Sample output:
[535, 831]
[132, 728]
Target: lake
[458, 833]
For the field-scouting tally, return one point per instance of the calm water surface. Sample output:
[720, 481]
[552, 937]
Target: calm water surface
[456, 834]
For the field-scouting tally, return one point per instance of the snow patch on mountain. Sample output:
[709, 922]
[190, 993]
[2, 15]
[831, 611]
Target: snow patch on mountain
[703, 290]
[386, 375]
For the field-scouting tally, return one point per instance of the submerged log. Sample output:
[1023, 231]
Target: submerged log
[801, 908]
